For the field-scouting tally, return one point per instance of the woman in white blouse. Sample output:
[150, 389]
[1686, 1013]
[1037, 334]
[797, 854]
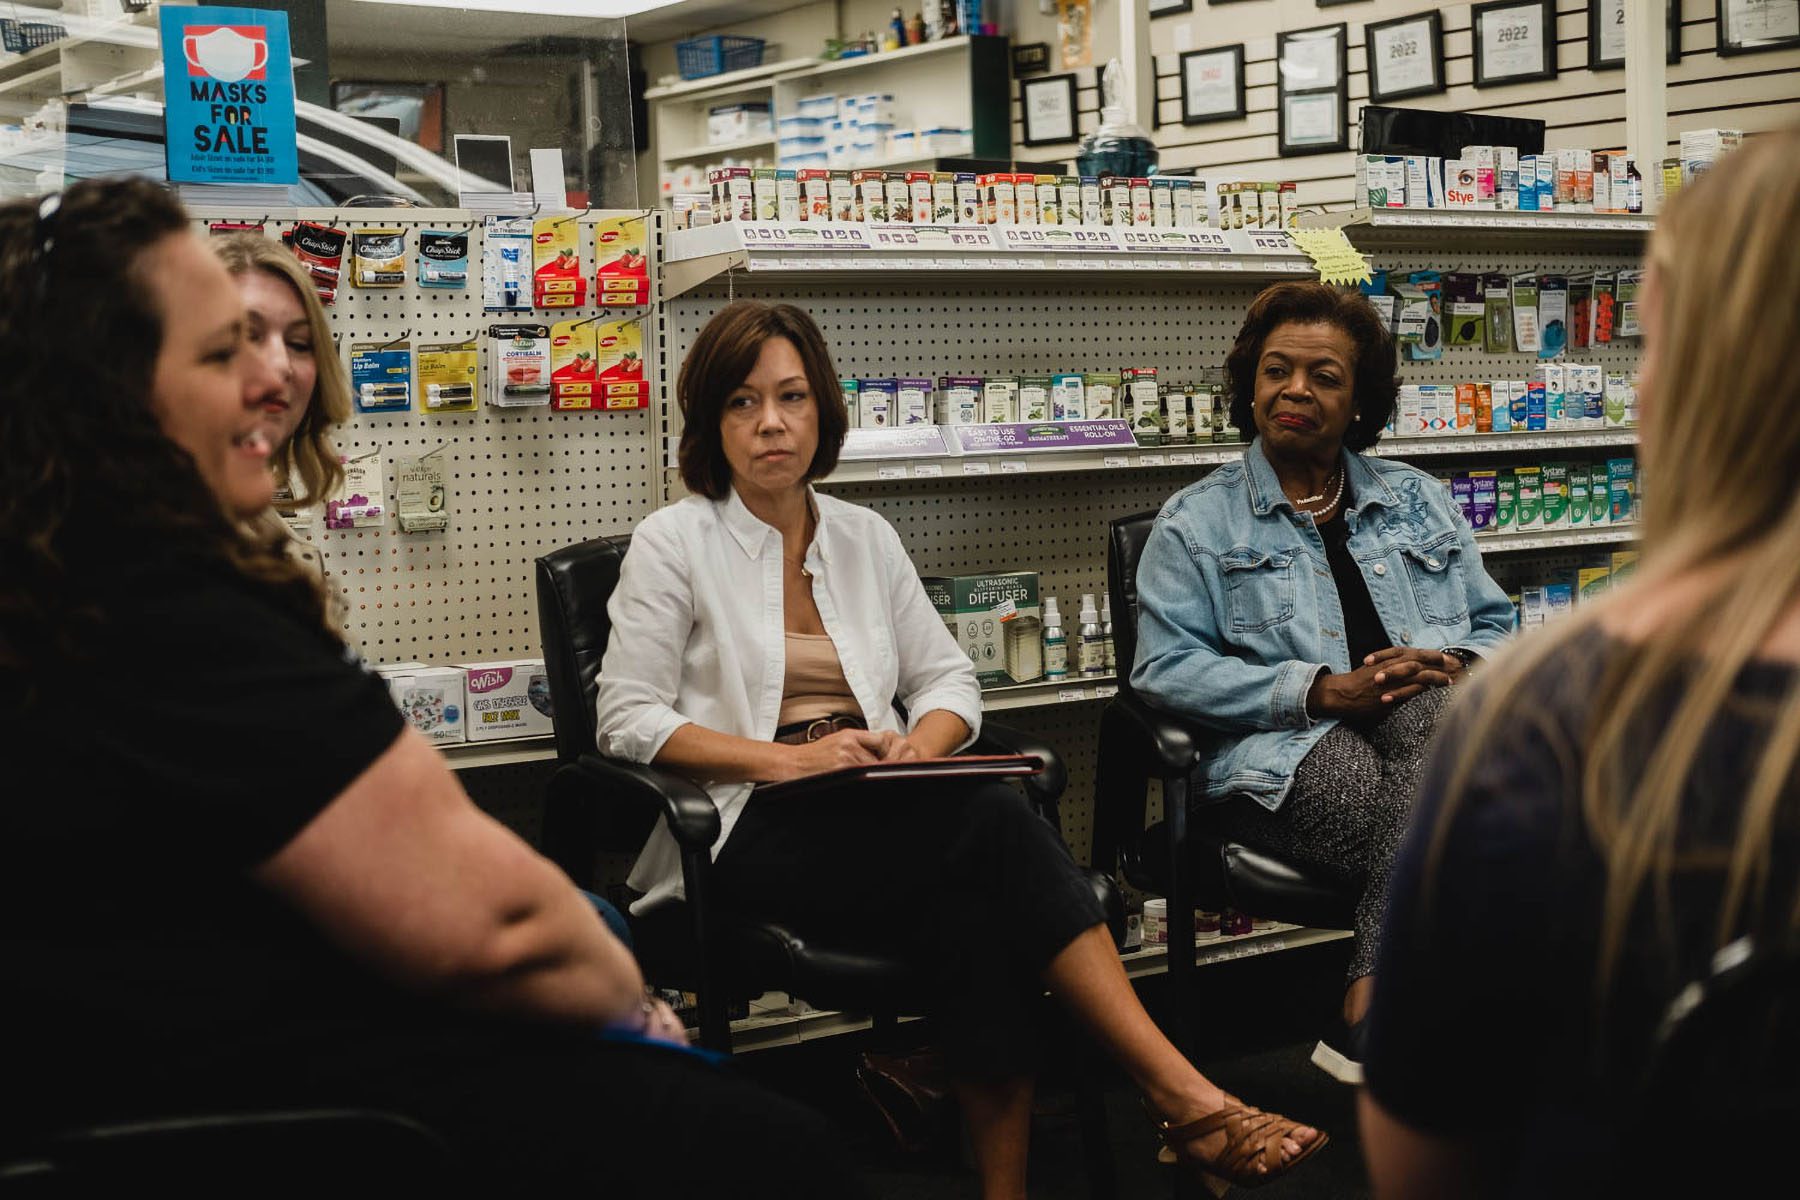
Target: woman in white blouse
[763, 632]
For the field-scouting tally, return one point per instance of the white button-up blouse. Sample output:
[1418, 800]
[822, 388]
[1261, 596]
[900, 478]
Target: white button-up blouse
[698, 635]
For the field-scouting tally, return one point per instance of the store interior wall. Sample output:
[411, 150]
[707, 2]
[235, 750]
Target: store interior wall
[1752, 92]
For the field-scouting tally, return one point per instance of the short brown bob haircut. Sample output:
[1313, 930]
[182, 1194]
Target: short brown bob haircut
[1374, 386]
[721, 359]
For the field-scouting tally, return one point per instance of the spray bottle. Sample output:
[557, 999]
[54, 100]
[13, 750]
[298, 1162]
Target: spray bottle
[1106, 636]
[1056, 643]
[1091, 651]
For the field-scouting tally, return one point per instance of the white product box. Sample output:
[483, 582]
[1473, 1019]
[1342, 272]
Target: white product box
[1460, 187]
[1506, 177]
[824, 105]
[507, 699]
[736, 122]
[430, 698]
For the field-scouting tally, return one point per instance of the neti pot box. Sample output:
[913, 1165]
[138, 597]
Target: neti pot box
[507, 699]
[430, 698]
[996, 619]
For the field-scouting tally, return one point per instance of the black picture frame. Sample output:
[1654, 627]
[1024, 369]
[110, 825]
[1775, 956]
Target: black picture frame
[1168, 8]
[1189, 116]
[1434, 35]
[1053, 83]
[1546, 10]
[1339, 92]
[1728, 47]
[1597, 14]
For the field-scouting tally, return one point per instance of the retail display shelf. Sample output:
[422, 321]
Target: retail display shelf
[874, 252]
[467, 756]
[729, 82]
[1561, 231]
[693, 153]
[1556, 539]
[45, 79]
[778, 1020]
[945, 457]
[887, 57]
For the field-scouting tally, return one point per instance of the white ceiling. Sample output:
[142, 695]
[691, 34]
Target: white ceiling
[412, 28]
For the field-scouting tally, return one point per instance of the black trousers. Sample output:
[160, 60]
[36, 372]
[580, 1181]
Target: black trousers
[961, 880]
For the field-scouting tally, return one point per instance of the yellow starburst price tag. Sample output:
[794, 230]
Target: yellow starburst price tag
[1331, 252]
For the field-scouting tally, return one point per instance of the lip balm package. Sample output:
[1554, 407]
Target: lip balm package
[446, 376]
[443, 259]
[320, 249]
[506, 264]
[380, 256]
[381, 377]
[572, 365]
[518, 365]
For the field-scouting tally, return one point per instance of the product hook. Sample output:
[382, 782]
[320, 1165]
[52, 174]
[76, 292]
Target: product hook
[441, 447]
[575, 216]
[397, 341]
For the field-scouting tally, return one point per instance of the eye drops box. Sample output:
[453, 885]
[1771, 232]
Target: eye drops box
[1599, 495]
[1621, 475]
[508, 699]
[1579, 505]
[1484, 499]
[430, 698]
[1531, 498]
[1506, 500]
[979, 611]
[1506, 177]
[1556, 496]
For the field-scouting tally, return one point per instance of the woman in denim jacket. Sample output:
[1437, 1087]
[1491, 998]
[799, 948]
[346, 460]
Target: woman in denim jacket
[1310, 606]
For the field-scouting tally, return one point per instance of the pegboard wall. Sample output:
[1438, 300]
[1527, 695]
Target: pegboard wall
[522, 481]
[1055, 524]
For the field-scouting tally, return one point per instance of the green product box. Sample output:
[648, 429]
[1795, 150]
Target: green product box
[1622, 486]
[1531, 497]
[996, 619]
[1591, 583]
[1506, 502]
[1103, 396]
[1556, 495]
[1624, 563]
[1599, 495]
[1034, 398]
[1578, 495]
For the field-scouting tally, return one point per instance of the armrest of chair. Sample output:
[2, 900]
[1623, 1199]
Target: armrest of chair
[690, 813]
[1168, 741]
[1044, 788]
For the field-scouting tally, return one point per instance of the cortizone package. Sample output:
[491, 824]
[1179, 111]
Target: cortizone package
[518, 365]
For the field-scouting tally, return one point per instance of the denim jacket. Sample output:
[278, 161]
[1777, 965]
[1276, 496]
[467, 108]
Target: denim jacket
[1238, 611]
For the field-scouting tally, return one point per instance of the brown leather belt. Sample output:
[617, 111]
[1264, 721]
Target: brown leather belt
[802, 732]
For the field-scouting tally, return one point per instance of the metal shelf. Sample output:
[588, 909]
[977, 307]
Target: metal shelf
[1557, 539]
[1434, 227]
[895, 470]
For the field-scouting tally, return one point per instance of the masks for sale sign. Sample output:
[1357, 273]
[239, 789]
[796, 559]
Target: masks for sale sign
[228, 83]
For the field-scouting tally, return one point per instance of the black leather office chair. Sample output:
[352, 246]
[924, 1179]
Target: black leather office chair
[244, 1153]
[599, 803]
[1139, 743]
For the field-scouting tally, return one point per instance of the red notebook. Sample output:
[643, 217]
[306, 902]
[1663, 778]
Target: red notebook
[976, 766]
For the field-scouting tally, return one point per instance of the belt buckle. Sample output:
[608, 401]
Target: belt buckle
[821, 727]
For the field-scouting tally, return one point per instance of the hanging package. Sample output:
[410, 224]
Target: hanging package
[320, 249]
[443, 259]
[380, 256]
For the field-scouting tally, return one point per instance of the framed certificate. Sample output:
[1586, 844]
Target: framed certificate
[1313, 123]
[1049, 108]
[1168, 8]
[1406, 57]
[1515, 41]
[1747, 26]
[1212, 85]
[1606, 33]
[1308, 60]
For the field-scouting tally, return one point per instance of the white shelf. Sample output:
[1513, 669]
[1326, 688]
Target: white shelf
[29, 81]
[466, 756]
[952, 465]
[1043, 692]
[723, 148]
[727, 83]
[773, 1023]
[1557, 539]
[1438, 226]
[906, 54]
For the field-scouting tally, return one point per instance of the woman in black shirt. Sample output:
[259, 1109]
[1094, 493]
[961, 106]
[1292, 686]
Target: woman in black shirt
[1620, 800]
[231, 877]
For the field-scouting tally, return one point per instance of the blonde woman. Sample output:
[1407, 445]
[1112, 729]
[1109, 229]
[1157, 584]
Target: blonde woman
[1618, 801]
[289, 329]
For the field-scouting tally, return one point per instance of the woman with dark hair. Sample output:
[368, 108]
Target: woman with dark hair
[1309, 604]
[188, 932]
[763, 632]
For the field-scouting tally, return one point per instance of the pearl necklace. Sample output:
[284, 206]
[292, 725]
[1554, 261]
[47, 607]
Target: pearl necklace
[1336, 495]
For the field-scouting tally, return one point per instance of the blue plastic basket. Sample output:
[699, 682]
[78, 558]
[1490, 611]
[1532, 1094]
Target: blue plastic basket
[699, 57]
[20, 36]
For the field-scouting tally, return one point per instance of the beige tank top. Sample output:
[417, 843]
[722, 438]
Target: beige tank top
[814, 685]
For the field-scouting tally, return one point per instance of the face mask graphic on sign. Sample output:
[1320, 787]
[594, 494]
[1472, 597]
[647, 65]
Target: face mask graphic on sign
[228, 53]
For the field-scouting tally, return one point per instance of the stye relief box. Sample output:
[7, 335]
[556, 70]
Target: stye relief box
[507, 699]
[991, 616]
[430, 698]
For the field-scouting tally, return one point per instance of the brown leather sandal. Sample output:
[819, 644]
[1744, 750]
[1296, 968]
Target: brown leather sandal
[1252, 1136]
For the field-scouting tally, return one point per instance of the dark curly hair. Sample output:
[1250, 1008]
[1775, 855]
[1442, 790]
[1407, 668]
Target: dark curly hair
[721, 359]
[85, 471]
[1374, 385]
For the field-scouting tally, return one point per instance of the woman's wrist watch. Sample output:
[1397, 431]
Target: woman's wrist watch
[1468, 657]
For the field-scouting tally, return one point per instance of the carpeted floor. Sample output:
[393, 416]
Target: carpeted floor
[1255, 1026]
